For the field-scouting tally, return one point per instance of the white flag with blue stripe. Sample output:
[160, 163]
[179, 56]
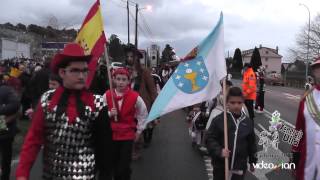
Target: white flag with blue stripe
[197, 78]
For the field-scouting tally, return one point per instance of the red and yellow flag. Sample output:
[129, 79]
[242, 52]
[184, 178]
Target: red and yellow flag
[91, 37]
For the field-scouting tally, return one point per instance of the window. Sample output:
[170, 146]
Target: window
[266, 66]
[267, 59]
[153, 57]
[267, 52]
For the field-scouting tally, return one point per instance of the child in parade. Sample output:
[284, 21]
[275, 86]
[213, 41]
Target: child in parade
[128, 120]
[241, 139]
[198, 125]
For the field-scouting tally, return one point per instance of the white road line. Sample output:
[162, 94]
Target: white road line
[261, 127]
[209, 167]
[291, 95]
[269, 115]
[256, 131]
[268, 90]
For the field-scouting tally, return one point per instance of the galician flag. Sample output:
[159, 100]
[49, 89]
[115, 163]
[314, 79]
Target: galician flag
[91, 37]
[197, 78]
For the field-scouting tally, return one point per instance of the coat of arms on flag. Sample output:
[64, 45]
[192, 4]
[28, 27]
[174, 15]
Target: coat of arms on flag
[191, 76]
[197, 77]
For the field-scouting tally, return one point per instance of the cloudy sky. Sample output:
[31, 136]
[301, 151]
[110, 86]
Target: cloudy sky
[180, 23]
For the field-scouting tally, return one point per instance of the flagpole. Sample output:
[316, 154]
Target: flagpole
[110, 79]
[226, 160]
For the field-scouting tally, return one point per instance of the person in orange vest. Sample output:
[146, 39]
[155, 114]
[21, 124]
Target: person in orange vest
[249, 86]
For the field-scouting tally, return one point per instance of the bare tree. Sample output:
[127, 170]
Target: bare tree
[299, 52]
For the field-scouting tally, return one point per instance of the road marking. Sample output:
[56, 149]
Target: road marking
[268, 90]
[256, 131]
[209, 167]
[261, 127]
[269, 115]
[291, 96]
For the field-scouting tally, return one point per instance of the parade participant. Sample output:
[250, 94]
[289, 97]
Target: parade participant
[25, 78]
[71, 123]
[8, 127]
[249, 87]
[165, 73]
[216, 105]
[125, 130]
[100, 82]
[157, 80]
[306, 153]
[309, 83]
[40, 83]
[141, 82]
[198, 125]
[54, 81]
[241, 139]
[259, 106]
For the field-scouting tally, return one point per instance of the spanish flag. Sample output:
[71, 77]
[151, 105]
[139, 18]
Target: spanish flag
[91, 38]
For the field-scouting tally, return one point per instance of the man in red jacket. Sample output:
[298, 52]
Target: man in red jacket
[69, 122]
[128, 107]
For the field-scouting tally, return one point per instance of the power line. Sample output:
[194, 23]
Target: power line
[146, 24]
[118, 4]
[147, 35]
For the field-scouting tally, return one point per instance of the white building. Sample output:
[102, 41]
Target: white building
[154, 54]
[270, 58]
[10, 49]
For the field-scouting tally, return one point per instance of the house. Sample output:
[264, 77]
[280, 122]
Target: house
[270, 58]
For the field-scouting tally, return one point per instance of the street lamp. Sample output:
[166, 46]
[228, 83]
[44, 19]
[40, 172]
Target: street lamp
[307, 64]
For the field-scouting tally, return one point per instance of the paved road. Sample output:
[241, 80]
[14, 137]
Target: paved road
[171, 157]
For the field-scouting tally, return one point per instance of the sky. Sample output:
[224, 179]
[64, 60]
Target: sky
[181, 23]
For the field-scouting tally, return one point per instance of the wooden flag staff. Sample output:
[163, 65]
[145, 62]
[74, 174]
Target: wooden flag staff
[225, 125]
[110, 79]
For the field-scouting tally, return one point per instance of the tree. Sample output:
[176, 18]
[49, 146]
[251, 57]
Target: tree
[237, 61]
[283, 70]
[167, 54]
[300, 50]
[9, 26]
[300, 66]
[21, 27]
[116, 48]
[255, 59]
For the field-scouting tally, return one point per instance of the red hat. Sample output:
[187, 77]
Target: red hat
[71, 51]
[123, 71]
[316, 62]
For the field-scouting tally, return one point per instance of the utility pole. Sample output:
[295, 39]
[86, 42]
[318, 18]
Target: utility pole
[128, 22]
[136, 38]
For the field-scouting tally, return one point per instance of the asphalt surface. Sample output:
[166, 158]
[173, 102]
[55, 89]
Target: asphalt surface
[171, 157]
